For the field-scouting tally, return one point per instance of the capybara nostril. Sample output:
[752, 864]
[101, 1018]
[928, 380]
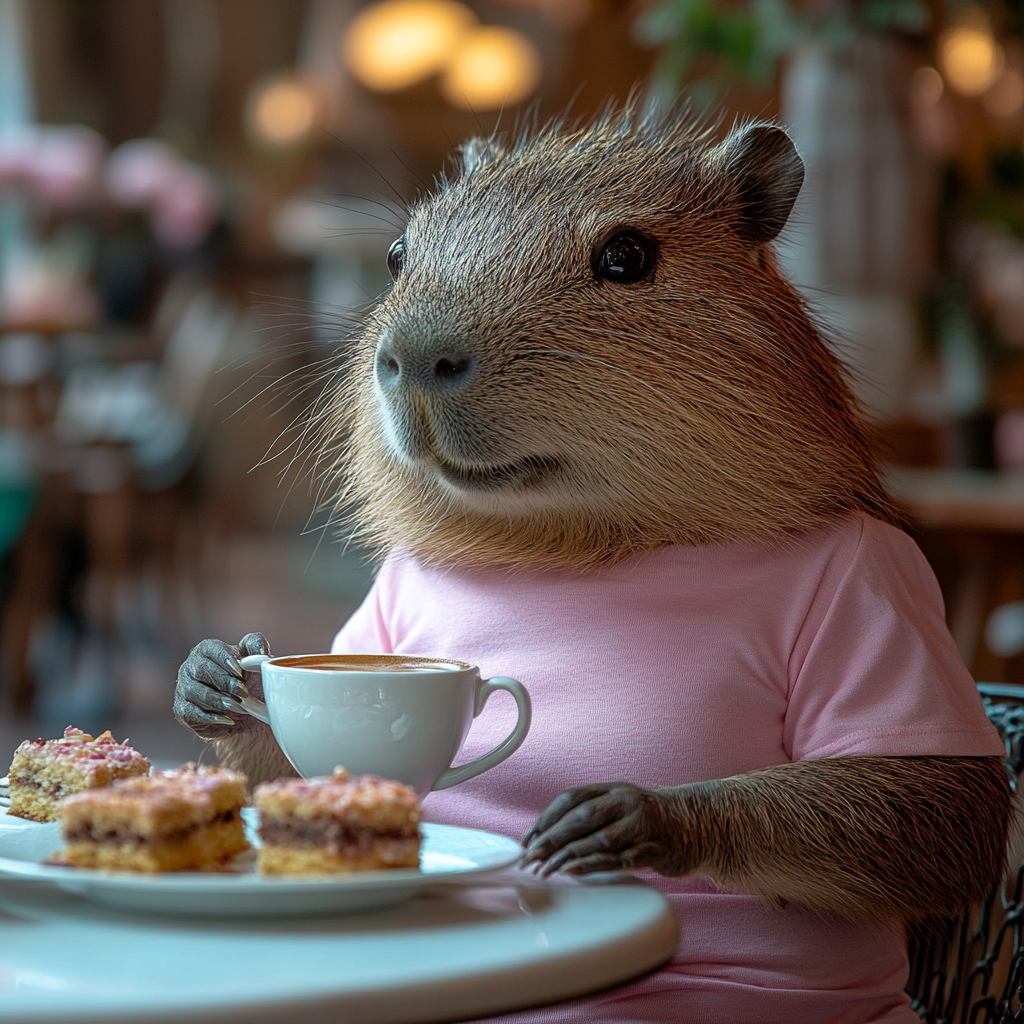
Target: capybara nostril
[388, 367]
[452, 367]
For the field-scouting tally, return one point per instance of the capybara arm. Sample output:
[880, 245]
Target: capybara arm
[256, 753]
[862, 837]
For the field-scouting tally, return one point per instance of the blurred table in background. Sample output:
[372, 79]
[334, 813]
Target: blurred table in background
[970, 525]
[971, 499]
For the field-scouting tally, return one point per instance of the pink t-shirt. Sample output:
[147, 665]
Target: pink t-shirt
[701, 663]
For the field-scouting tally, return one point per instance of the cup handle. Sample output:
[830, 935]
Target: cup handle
[250, 705]
[508, 746]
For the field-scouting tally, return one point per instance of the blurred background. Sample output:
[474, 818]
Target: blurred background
[196, 200]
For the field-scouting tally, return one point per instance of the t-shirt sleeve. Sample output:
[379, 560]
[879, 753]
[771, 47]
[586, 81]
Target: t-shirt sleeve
[366, 630]
[874, 669]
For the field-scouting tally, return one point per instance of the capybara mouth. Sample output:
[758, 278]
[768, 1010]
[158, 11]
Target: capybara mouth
[524, 473]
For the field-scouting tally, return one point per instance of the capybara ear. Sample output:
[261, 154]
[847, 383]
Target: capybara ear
[477, 152]
[767, 172]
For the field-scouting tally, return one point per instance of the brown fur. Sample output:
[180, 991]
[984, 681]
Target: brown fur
[862, 837]
[252, 749]
[699, 407]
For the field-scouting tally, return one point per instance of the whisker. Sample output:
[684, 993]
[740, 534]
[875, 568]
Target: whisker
[313, 430]
[274, 382]
[392, 222]
[359, 156]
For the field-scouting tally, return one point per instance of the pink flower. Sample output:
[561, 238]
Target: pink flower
[186, 210]
[182, 197]
[138, 171]
[65, 165]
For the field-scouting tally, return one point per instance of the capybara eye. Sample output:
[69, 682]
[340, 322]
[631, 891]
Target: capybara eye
[624, 258]
[396, 257]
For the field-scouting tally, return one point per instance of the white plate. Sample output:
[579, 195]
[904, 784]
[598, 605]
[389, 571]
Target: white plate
[448, 853]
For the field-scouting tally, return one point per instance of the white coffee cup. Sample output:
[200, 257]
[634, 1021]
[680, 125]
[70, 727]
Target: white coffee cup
[391, 715]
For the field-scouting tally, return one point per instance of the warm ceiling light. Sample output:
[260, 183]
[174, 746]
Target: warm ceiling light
[1006, 97]
[971, 59]
[493, 67]
[282, 112]
[926, 86]
[401, 42]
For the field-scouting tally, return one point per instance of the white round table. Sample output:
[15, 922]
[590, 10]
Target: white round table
[452, 953]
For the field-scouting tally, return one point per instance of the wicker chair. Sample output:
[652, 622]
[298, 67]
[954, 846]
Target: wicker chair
[971, 970]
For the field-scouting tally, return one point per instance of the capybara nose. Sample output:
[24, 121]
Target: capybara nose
[452, 367]
[448, 369]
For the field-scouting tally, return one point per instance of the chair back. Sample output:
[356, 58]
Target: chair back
[970, 970]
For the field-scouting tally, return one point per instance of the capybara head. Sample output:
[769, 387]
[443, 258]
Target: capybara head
[588, 351]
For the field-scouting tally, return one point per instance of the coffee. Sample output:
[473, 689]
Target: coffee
[371, 663]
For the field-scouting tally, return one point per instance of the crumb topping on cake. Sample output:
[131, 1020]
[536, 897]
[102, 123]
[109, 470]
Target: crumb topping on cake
[363, 800]
[191, 777]
[177, 798]
[87, 753]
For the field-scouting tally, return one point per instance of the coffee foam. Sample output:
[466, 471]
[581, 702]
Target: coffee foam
[370, 663]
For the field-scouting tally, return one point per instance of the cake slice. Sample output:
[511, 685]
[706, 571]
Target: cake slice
[185, 819]
[44, 771]
[336, 825]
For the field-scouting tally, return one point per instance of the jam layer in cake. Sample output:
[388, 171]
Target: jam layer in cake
[186, 819]
[44, 771]
[336, 825]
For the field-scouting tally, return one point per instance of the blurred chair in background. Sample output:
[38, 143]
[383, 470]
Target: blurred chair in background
[123, 438]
